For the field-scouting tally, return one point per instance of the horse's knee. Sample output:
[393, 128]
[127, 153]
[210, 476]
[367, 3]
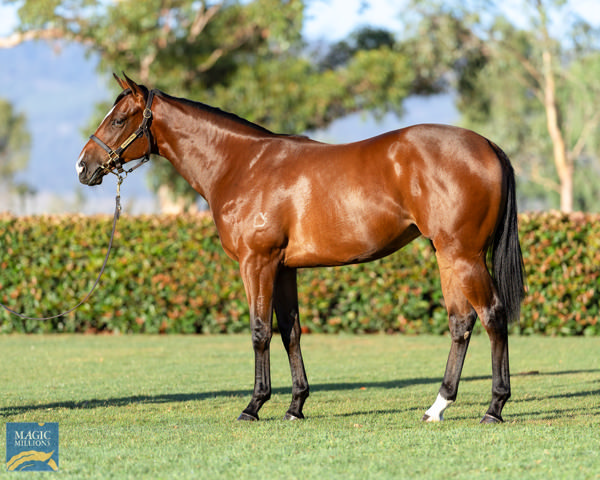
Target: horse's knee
[261, 334]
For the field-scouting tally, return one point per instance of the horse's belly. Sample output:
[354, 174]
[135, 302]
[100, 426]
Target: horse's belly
[334, 245]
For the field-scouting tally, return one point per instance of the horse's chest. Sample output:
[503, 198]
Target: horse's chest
[257, 230]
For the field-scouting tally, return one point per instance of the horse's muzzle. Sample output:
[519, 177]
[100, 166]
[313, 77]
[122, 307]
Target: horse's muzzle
[85, 177]
[96, 178]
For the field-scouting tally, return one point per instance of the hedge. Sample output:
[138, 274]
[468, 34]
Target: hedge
[168, 274]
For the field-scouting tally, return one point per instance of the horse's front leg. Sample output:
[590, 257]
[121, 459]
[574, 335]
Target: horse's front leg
[258, 274]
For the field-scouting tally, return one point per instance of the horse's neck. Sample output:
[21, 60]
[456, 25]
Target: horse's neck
[203, 146]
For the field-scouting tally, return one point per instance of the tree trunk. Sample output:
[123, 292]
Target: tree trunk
[564, 166]
[566, 190]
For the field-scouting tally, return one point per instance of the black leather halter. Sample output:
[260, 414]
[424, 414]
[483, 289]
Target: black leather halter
[114, 156]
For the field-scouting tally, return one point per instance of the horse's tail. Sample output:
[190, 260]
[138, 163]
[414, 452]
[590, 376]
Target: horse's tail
[507, 260]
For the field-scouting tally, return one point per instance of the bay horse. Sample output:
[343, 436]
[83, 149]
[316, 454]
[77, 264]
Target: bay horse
[283, 202]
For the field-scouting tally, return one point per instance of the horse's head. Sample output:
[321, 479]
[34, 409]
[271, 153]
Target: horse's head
[118, 139]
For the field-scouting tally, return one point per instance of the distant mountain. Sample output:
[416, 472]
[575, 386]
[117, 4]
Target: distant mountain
[57, 89]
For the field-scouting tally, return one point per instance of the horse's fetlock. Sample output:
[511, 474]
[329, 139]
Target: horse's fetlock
[264, 396]
[302, 391]
[502, 394]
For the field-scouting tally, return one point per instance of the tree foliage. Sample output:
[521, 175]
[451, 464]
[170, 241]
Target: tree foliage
[14, 142]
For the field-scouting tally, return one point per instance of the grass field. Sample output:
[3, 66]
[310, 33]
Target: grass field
[165, 407]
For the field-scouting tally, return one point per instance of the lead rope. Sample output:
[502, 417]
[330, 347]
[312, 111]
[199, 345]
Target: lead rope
[110, 243]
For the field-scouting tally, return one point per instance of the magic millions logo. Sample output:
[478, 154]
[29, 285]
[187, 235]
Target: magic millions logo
[32, 447]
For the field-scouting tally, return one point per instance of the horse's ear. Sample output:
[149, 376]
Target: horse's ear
[121, 83]
[135, 89]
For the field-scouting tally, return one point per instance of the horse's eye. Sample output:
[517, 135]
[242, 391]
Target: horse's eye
[118, 122]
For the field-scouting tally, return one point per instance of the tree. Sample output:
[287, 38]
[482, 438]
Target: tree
[247, 57]
[526, 87]
[14, 144]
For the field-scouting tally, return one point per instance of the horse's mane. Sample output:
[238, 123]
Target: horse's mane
[211, 110]
[215, 111]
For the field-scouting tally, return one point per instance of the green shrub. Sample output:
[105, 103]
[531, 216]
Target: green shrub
[169, 274]
[562, 260]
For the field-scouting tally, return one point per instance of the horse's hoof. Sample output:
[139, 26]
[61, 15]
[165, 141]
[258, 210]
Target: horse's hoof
[487, 418]
[428, 419]
[246, 417]
[291, 416]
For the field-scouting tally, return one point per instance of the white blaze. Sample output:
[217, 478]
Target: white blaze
[78, 165]
[108, 114]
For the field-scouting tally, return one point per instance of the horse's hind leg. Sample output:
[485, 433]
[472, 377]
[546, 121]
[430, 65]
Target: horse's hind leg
[288, 320]
[461, 317]
[478, 288]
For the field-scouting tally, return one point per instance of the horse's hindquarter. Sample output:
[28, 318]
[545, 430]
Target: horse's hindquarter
[455, 180]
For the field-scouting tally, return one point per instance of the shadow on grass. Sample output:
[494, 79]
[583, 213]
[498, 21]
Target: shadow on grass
[322, 387]
[190, 397]
[556, 413]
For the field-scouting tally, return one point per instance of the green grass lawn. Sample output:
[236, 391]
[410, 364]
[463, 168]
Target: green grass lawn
[166, 407]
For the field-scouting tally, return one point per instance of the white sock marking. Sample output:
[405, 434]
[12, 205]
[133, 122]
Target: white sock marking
[436, 411]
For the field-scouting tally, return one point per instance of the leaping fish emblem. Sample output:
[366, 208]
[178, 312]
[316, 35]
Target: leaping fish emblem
[24, 460]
